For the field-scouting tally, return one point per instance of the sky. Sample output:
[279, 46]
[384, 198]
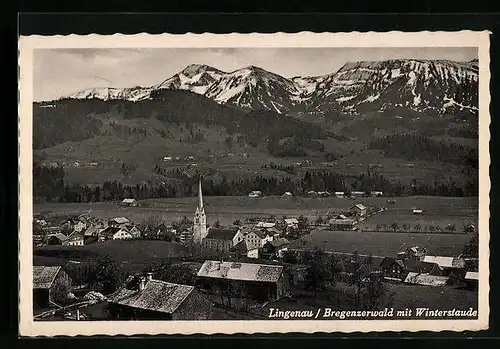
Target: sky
[59, 72]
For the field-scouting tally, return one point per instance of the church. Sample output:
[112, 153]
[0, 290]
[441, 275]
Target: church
[200, 219]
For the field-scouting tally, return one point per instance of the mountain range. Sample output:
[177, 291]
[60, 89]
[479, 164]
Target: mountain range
[432, 86]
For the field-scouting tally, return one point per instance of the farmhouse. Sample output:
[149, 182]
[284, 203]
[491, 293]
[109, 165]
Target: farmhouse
[57, 239]
[343, 224]
[114, 233]
[287, 193]
[393, 268]
[134, 231]
[339, 194]
[276, 247]
[75, 239]
[266, 225]
[376, 193]
[450, 266]
[358, 210]
[258, 281]
[129, 202]
[324, 193]
[244, 249]
[417, 211]
[358, 193]
[292, 223]
[220, 239]
[255, 194]
[118, 222]
[49, 284]
[144, 298]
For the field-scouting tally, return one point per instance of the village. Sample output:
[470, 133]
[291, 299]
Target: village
[236, 271]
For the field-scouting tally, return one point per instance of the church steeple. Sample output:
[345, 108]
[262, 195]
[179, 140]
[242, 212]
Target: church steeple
[200, 196]
[200, 219]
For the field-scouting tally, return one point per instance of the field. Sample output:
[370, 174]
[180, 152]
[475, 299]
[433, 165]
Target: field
[134, 255]
[229, 208]
[384, 244]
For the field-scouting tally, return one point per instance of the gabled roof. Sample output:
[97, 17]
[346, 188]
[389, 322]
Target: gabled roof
[387, 262]
[260, 233]
[472, 275]
[128, 201]
[75, 236]
[241, 246]
[417, 266]
[240, 271]
[120, 220]
[359, 206]
[445, 262]
[44, 276]
[426, 279]
[110, 231]
[266, 224]
[59, 236]
[221, 234]
[291, 220]
[160, 296]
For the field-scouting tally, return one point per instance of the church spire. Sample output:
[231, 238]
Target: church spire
[200, 196]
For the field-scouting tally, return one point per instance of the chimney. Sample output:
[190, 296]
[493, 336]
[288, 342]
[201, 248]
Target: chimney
[142, 283]
[149, 276]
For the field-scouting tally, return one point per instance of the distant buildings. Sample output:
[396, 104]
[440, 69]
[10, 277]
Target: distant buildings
[255, 194]
[144, 298]
[358, 210]
[129, 202]
[343, 224]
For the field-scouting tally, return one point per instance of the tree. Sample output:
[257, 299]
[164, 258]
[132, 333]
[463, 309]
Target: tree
[450, 227]
[174, 273]
[394, 226]
[217, 224]
[107, 272]
[303, 222]
[417, 227]
[320, 220]
[471, 250]
[60, 293]
[237, 223]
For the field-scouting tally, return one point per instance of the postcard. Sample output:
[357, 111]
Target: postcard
[253, 183]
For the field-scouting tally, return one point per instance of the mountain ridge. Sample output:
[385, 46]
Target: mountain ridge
[439, 86]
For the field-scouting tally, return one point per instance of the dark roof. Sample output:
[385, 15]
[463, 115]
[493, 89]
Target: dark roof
[110, 231]
[75, 236]
[160, 296]
[241, 246]
[279, 242]
[221, 234]
[260, 233]
[44, 276]
[59, 236]
[388, 262]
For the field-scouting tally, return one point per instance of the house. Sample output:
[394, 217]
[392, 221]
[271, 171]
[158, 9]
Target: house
[324, 193]
[312, 193]
[92, 230]
[275, 232]
[415, 252]
[343, 224]
[417, 211]
[57, 239]
[114, 233]
[254, 239]
[339, 194]
[243, 248]
[48, 283]
[134, 231]
[276, 247]
[393, 268]
[471, 280]
[255, 194]
[186, 236]
[75, 239]
[118, 222]
[287, 193]
[358, 193]
[425, 279]
[450, 266]
[220, 239]
[358, 210]
[376, 193]
[257, 281]
[163, 232]
[266, 225]
[292, 223]
[470, 229]
[420, 267]
[144, 298]
[129, 202]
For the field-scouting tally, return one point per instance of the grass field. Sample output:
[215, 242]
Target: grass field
[229, 208]
[134, 254]
[384, 244]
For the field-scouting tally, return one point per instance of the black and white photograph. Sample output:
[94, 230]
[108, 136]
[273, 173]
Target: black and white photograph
[210, 184]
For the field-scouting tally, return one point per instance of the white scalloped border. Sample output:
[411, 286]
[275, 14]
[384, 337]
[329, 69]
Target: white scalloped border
[28, 327]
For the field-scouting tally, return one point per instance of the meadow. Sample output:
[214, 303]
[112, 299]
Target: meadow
[227, 209]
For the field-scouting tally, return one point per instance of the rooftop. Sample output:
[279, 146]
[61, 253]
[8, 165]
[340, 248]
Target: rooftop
[240, 271]
[157, 295]
[445, 262]
[221, 234]
[44, 276]
[120, 220]
[425, 279]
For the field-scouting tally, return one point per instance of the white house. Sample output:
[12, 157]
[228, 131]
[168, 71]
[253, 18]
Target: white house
[266, 225]
[417, 211]
[115, 233]
[376, 193]
[255, 194]
[292, 223]
[129, 202]
[339, 194]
